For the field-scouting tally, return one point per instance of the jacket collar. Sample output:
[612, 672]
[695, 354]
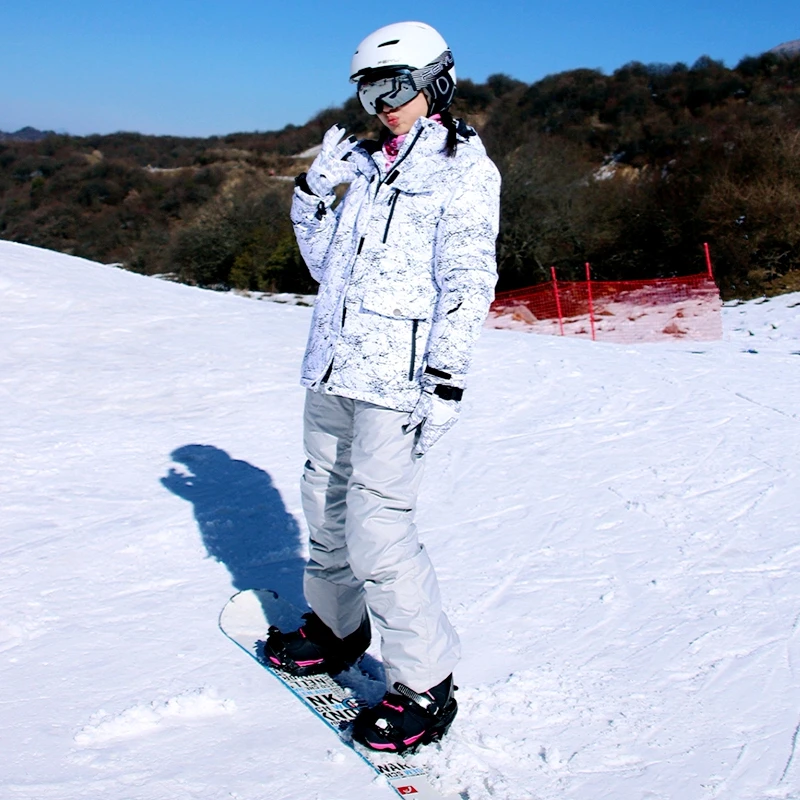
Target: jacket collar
[421, 159]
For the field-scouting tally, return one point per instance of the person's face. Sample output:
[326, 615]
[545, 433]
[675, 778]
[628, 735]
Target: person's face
[399, 120]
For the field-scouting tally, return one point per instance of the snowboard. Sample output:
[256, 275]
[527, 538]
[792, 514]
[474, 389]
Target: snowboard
[245, 620]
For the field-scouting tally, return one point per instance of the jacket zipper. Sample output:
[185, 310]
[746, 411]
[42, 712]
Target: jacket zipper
[389, 179]
[393, 172]
[414, 326]
[392, 204]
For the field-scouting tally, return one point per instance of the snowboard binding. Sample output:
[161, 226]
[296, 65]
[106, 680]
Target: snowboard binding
[405, 720]
[314, 649]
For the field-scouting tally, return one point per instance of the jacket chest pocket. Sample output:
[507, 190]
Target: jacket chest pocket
[410, 219]
[392, 205]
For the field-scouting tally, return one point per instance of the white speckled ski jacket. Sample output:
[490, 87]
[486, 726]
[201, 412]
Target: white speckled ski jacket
[406, 266]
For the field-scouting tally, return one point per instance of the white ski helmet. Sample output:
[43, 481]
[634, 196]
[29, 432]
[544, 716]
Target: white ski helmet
[396, 62]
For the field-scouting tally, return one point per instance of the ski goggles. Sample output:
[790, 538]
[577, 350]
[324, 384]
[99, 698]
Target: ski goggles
[389, 92]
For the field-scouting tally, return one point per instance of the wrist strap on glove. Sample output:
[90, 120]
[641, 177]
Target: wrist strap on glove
[443, 383]
[448, 392]
[302, 184]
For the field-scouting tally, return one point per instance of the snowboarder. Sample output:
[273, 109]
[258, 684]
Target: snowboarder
[406, 267]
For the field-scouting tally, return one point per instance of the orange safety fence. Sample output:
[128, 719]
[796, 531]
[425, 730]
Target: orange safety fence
[652, 310]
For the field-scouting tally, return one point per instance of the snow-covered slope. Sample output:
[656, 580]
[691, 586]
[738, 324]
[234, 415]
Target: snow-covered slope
[615, 529]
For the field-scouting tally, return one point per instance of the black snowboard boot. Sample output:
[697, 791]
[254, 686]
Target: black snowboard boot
[314, 649]
[405, 720]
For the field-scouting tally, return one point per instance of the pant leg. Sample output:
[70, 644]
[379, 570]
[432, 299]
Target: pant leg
[330, 587]
[419, 645]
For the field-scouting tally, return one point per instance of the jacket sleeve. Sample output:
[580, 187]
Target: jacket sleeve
[314, 223]
[465, 269]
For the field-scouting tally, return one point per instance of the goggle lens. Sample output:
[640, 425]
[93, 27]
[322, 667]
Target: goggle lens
[391, 92]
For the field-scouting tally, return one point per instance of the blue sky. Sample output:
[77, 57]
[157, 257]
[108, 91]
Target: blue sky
[202, 67]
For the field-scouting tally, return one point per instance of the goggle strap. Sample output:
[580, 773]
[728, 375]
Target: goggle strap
[429, 73]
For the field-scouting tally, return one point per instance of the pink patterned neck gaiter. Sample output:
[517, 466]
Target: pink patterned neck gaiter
[392, 147]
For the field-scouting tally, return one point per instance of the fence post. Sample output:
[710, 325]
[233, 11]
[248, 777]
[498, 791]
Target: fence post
[708, 261]
[591, 300]
[558, 300]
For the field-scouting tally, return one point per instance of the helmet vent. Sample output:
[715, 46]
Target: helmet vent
[391, 41]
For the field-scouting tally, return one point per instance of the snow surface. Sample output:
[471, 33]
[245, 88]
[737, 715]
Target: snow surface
[615, 529]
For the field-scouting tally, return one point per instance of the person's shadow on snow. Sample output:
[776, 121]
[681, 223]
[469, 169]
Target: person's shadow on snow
[242, 519]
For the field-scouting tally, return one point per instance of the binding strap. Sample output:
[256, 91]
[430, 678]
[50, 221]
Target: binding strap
[423, 701]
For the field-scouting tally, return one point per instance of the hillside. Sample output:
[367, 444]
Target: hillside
[617, 548]
[787, 48]
[26, 134]
[631, 171]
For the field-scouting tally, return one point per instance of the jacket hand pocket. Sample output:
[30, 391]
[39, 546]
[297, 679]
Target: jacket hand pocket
[406, 336]
[401, 301]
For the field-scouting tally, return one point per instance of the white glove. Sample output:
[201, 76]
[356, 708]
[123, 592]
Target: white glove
[436, 416]
[332, 165]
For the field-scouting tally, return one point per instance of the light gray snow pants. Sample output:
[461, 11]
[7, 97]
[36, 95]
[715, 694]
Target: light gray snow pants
[359, 492]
